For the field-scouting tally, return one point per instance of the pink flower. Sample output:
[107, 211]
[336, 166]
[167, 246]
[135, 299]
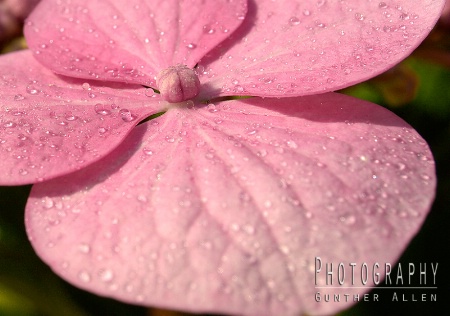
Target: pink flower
[445, 17]
[219, 204]
[12, 14]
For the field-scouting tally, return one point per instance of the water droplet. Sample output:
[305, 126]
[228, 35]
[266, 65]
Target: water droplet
[10, 124]
[18, 97]
[170, 139]
[404, 16]
[292, 144]
[149, 92]
[142, 198]
[359, 17]
[212, 108]
[285, 249]
[84, 248]
[320, 24]
[32, 90]
[106, 275]
[306, 12]
[382, 5]
[47, 203]
[262, 153]
[147, 151]
[191, 46]
[86, 86]
[70, 117]
[208, 29]
[22, 137]
[84, 276]
[294, 21]
[249, 229]
[102, 130]
[238, 89]
[348, 219]
[102, 109]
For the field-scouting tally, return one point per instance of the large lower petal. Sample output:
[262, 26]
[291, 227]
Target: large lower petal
[289, 48]
[128, 41]
[225, 208]
[51, 125]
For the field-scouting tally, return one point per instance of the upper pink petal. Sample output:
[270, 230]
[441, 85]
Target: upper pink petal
[287, 48]
[224, 208]
[128, 41]
[51, 125]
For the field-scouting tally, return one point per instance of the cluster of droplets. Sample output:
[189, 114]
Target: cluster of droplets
[24, 135]
[317, 73]
[103, 109]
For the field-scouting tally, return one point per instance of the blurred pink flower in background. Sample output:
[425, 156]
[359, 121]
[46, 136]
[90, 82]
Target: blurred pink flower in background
[445, 17]
[12, 14]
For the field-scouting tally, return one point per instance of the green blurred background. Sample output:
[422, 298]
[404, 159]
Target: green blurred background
[418, 90]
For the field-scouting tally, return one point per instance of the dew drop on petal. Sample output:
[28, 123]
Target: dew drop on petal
[126, 115]
[149, 92]
[47, 203]
[9, 124]
[18, 97]
[148, 151]
[84, 248]
[70, 117]
[292, 144]
[359, 17]
[348, 219]
[294, 21]
[208, 29]
[102, 130]
[84, 276]
[238, 89]
[102, 109]
[32, 90]
[106, 275]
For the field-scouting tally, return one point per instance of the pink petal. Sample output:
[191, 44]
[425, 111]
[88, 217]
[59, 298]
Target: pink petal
[51, 125]
[224, 208]
[306, 47]
[128, 41]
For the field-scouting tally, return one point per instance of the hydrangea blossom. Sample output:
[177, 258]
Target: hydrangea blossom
[219, 204]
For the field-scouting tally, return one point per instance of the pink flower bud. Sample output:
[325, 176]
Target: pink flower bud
[178, 83]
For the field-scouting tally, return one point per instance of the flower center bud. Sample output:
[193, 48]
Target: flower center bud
[178, 83]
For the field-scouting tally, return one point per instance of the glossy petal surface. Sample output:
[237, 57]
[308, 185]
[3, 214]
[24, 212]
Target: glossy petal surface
[224, 208]
[51, 125]
[289, 48]
[128, 41]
